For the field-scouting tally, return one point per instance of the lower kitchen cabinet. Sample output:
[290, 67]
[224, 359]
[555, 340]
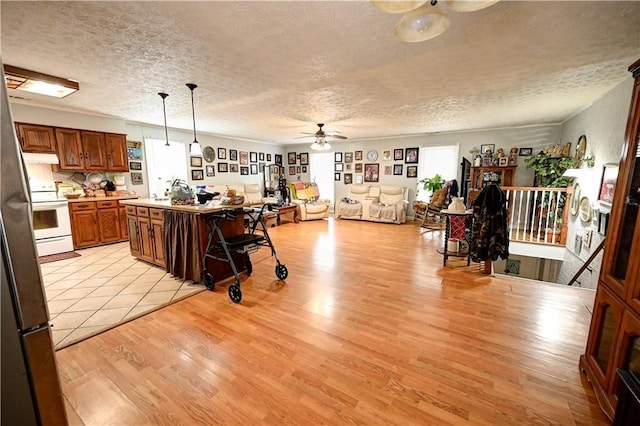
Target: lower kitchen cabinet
[97, 222]
[146, 234]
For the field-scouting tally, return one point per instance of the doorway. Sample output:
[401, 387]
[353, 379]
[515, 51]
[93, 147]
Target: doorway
[321, 172]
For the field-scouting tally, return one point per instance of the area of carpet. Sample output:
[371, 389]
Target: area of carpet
[58, 256]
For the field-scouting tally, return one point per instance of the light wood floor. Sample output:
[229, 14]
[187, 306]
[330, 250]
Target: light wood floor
[369, 328]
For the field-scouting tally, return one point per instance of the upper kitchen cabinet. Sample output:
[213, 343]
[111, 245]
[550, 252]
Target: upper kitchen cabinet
[35, 138]
[95, 151]
[83, 150]
[116, 146]
[69, 148]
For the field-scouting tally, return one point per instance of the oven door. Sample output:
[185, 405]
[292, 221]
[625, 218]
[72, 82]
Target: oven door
[51, 219]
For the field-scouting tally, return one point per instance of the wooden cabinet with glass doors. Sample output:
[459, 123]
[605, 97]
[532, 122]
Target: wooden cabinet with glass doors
[614, 336]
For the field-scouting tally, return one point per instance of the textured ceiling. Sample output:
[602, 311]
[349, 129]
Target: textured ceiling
[269, 70]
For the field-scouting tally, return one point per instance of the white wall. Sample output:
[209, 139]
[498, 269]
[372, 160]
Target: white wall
[604, 125]
[535, 137]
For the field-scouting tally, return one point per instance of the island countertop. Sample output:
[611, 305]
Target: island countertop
[166, 205]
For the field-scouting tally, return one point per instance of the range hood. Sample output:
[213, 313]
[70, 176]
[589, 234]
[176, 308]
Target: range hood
[34, 158]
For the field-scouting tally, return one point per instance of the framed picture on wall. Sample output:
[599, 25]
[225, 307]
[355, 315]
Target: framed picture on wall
[244, 158]
[134, 165]
[197, 174]
[261, 156]
[268, 157]
[292, 170]
[253, 157]
[398, 154]
[304, 169]
[358, 167]
[525, 151]
[304, 158]
[136, 178]
[278, 159]
[338, 167]
[371, 172]
[397, 169]
[196, 161]
[233, 168]
[244, 170]
[337, 157]
[348, 157]
[336, 176]
[210, 171]
[608, 184]
[291, 158]
[233, 155]
[359, 179]
[411, 155]
[254, 169]
[412, 171]
[223, 167]
[358, 155]
[387, 170]
[348, 178]
[386, 155]
[222, 153]
[261, 167]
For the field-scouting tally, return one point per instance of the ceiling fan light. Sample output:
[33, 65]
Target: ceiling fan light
[421, 24]
[470, 5]
[397, 6]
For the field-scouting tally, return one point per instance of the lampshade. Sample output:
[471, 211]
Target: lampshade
[398, 6]
[321, 144]
[421, 24]
[35, 82]
[470, 5]
[164, 110]
[194, 148]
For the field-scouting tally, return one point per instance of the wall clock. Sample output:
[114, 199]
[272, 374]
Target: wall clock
[372, 155]
[209, 154]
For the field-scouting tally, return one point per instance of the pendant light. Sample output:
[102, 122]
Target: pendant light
[164, 110]
[194, 148]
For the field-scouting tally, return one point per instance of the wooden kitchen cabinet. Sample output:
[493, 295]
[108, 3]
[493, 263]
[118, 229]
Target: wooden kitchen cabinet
[34, 138]
[116, 149]
[97, 222]
[84, 224]
[614, 334]
[108, 221]
[95, 151]
[148, 244]
[70, 151]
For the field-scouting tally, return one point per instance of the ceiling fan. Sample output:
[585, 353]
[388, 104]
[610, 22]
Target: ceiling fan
[321, 138]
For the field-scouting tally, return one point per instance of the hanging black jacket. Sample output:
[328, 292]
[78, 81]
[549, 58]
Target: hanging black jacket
[490, 233]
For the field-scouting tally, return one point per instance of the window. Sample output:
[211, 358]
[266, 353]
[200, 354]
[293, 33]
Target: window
[163, 164]
[321, 172]
[442, 160]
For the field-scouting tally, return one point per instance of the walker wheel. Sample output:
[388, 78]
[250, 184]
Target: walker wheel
[208, 281]
[235, 294]
[248, 264]
[281, 271]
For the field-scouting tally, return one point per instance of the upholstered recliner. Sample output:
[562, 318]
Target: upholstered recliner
[307, 197]
[384, 203]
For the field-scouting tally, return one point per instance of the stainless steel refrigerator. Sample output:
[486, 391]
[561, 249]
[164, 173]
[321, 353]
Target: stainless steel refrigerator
[30, 388]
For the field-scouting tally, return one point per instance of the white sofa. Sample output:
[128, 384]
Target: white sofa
[375, 203]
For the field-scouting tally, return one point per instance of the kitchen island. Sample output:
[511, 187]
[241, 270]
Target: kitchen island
[175, 237]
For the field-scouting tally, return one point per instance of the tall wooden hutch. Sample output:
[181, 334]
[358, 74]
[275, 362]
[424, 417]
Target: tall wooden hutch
[614, 336]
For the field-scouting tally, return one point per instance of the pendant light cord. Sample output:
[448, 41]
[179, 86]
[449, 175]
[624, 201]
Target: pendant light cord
[192, 86]
[164, 110]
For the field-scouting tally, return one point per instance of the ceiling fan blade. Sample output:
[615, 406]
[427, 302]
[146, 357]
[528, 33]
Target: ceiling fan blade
[336, 136]
[332, 131]
[312, 135]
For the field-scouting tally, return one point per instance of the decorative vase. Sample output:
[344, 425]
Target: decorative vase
[457, 205]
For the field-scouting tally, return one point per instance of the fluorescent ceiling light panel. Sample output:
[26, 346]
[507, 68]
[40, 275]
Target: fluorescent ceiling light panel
[35, 82]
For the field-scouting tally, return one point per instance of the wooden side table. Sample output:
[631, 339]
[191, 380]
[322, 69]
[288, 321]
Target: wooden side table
[291, 208]
[456, 226]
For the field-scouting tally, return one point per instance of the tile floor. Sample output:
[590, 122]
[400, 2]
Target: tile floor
[105, 287]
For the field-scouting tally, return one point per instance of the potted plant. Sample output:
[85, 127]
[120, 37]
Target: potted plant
[432, 184]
